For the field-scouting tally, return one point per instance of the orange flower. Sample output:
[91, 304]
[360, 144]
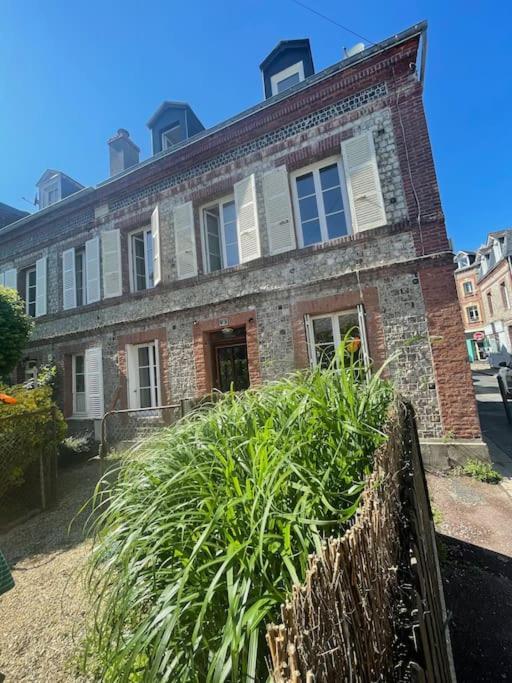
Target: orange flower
[8, 399]
[354, 345]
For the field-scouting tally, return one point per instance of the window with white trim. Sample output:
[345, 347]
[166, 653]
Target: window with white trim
[326, 332]
[220, 235]
[30, 291]
[79, 400]
[80, 277]
[473, 314]
[287, 78]
[321, 202]
[172, 136]
[143, 375]
[141, 260]
[504, 295]
[467, 287]
[50, 194]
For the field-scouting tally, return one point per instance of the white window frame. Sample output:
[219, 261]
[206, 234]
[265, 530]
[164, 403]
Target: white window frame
[131, 259]
[132, 354]
[32, 269]
[297, 68]
[470, 319]
[45, 193]
[471, 290]
[315, 169]
[77, 413]
[81, 251]
[219, 203]
[163, 136]
[361, 317]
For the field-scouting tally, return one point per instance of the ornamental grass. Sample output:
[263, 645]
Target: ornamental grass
[206, 528]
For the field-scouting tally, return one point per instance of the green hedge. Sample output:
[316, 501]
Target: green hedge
[31, 426]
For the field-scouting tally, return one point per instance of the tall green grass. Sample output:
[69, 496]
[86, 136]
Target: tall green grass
[205, 530]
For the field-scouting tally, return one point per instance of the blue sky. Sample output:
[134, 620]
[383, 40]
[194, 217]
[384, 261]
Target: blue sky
[72, 73]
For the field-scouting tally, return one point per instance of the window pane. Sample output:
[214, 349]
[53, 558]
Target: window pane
[144, 377]
[79, 365]
[143, 353]
[311, 232]
[305, 185]
[308, 208]
[348, 321]
[213, 239]
[288, 82]
[229, 212]
[230, 232]
[329, 177]
[32, 278]
[322, 330]
[333, 201]
[145, 398]
[231, 255]
[80, 402]
[149, 258]
[80, 383]
[336, 225]
[324, 354]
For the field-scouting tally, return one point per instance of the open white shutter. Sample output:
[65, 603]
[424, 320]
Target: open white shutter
[362, 174]
[10, 278]
[155, 234]
[92, 269]
[94, 383]
[247, 219]
[111, 263]
[68, 279]
[41, 274]
[186, 259]
[278, 211]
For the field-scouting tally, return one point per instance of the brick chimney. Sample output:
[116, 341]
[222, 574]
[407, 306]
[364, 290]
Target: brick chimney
[123, 152]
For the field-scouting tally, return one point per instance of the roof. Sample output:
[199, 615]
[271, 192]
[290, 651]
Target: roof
[9, 214]
[487, 249]
[168, 104]
[370, 52]
[285, 45]
[52, 173]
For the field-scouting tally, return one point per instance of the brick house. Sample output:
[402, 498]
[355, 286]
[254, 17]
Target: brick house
[241, 252]
[490, 272]
[470, 300]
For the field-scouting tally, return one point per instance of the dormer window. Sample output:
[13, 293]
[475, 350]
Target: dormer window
[463, 262]
[54, 186]
[287, 78]
[172, 136]
[50, 194]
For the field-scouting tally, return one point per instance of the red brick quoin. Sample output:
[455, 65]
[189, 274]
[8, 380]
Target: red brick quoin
[455, 391]
[202, 348]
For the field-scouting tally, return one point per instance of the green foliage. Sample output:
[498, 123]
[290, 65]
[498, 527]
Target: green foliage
[76, 445]
[481, 471]
[31, 426]
[15, 327]
[206, 529]
[46, 375]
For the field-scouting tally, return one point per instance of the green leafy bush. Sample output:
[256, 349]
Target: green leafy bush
[31, 426]
[206, 529]
[482, 471]
[15, 327]
[76, 446]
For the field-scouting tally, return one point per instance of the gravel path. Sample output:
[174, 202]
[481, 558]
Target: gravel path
[42, 618]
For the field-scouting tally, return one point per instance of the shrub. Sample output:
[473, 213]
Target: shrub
[15, 327]
[31, 426]
[206, 529]
[76, 446]
[481, 471]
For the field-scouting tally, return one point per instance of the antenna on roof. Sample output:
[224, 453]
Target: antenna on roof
[34, 203]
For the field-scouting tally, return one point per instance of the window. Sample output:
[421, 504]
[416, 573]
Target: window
[489, 303]
[80, 277]
[49, 195]
[287, 78]
[30, 291]
[467, 288]
[79, 402]
[504, 295]
[326, 332]
[171, 136]
[220, 235]
[143, 375]
[463, 261]
[473, 314]
[320, 201]
[141, 256]
[30, 370]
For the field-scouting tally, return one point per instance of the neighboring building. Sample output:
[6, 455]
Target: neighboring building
[484, 287]
[243, 251]
[8, 214]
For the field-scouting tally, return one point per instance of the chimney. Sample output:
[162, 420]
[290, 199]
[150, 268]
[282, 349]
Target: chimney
[123, 152]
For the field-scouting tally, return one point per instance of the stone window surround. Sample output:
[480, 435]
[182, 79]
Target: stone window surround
[346, 301]
[202, 330]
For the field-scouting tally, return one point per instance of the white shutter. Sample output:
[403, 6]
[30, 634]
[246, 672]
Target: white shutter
[186, 259]
[155, 234]
[362, 174]
[94, 383]
[92, 269]
[10, 279]
[111, 263]
[41, 288]
[68, 279]
[132, 365]
[247, 219]
[278, 211]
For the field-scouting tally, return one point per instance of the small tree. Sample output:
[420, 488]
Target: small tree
[15, 327]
